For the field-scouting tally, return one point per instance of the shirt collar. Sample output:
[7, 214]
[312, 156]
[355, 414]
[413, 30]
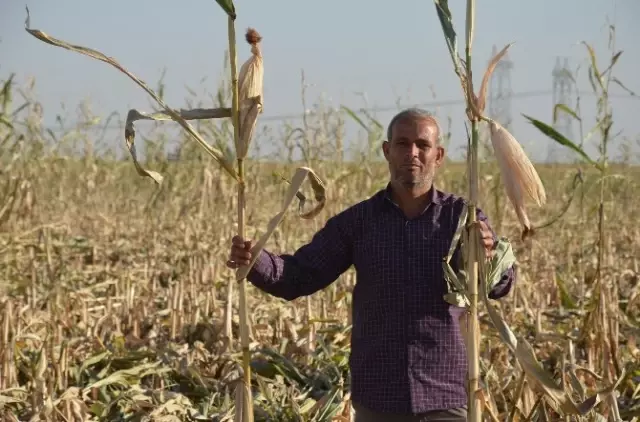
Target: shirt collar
[434, 195]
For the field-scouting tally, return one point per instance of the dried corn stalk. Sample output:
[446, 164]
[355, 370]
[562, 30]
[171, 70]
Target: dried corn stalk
[472, 335]
[521, 179]
[521, 182]
[244, 114]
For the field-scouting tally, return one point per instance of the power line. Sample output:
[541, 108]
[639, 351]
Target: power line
[525, 94]
[431, 104]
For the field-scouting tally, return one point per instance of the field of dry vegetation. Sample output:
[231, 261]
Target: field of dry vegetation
[116, 305]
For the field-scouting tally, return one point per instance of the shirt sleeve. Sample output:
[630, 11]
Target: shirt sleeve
[311, 268]
[503, 287]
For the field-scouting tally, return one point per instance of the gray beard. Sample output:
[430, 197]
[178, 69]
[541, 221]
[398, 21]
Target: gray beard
[421, 181]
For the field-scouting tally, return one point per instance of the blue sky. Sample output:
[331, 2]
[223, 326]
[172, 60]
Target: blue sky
[392, 53]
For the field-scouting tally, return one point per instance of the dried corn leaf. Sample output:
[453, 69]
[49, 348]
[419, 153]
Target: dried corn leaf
[174, 115]
[191, 114]
[194, 114]
[299, 177]
[577, 386]
[481, 100]
[127, 377]
[502, 259]
[131, 146]
[456, 285]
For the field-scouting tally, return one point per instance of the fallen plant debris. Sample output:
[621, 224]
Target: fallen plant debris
[113, 310]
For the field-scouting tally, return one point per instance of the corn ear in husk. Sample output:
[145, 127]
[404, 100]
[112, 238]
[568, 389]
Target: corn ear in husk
[250, 88]
[519, 176]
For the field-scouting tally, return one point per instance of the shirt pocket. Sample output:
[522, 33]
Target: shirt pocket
[432, 249]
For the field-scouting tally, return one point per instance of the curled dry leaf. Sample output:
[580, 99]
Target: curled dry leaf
[193, 114]
[481, 99]
[217, 155]
[299, 177]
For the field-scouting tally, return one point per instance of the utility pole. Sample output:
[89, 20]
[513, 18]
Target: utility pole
[562, 88]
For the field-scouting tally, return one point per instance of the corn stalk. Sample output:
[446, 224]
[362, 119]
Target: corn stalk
[521, 183]
[242, 399]
[471, 247]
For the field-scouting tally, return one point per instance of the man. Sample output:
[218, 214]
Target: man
[408, 360]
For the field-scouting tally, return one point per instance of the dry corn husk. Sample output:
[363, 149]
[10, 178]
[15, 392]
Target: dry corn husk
[519, 176]
[250, 81]
[251, 73]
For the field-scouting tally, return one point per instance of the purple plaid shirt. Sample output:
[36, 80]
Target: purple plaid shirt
[407, 352]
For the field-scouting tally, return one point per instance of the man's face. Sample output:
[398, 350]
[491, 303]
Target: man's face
[413, 152]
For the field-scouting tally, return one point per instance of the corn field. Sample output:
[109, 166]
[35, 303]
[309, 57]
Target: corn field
[116, 305]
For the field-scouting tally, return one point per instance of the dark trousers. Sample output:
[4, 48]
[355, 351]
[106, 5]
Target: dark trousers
[451, 415]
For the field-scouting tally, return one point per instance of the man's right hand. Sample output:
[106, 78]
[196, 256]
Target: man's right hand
[240, 253]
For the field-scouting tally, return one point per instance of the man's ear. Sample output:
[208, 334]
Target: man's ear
[385, 149]
[440, 157]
